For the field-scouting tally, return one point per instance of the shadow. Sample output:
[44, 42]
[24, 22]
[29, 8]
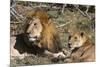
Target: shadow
[22, 47]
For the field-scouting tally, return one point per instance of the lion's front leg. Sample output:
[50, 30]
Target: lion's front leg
[55, 55]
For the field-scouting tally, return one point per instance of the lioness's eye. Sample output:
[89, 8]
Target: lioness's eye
[35, 24]
[69, 37]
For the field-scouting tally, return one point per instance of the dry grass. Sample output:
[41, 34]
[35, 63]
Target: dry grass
[75, 19]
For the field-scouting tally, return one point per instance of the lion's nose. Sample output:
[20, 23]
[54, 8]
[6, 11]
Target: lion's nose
[27, 33]
[35, 37]
[69, 45]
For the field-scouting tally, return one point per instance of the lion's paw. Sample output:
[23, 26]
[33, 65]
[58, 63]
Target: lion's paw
[59, 55]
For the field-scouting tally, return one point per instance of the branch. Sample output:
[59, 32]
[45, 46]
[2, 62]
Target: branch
[77, 7]
[63, 25]
[15, 23]
[63, 8]
[17, 18]
[83, 13]
[86, 12]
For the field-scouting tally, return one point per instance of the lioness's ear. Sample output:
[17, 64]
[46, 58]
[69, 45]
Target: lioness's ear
[50, 21]
[70, 32]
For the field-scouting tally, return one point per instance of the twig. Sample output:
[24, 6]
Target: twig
[14, 15]
[63, 8]
[83, 13]
[77, 7]
[63, 25]
[86, 12]
[15, 23]
[21, 17]
[13, 6]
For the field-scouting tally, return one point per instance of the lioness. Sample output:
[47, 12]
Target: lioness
[82, 48]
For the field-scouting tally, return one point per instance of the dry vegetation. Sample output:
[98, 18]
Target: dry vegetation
[65, 19]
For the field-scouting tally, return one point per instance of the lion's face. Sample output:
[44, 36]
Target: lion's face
[76, 40]
[34, 30]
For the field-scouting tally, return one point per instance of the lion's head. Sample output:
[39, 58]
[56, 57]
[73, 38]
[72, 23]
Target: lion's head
[42, 31]
[34, 29]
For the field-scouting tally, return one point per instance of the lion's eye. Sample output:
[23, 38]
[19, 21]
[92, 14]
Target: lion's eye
[75, 37]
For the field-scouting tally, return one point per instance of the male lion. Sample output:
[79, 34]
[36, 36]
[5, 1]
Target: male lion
[41, 32]
[82, 48]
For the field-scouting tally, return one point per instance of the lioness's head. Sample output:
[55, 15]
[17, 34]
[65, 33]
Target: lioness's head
[34, 30]
[76, 40]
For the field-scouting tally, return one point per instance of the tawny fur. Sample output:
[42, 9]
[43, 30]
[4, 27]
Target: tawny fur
[49, 37]
[86, 52]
